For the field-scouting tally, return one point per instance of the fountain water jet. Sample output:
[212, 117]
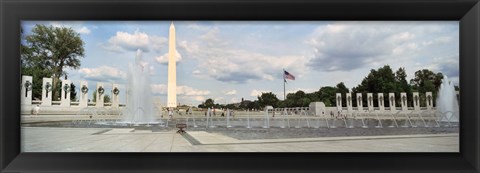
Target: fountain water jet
[140, 108]
[447, 103]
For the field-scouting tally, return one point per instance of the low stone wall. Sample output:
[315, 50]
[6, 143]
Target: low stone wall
[57, 110]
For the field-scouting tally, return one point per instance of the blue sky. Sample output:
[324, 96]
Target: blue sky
[230, 60]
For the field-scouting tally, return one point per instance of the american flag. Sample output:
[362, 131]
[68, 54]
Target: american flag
[287, 75]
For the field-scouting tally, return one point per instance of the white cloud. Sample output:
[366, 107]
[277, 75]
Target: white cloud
[306, 90]
[211, 36]
[439, 40]
[199, 98]
[76, 26]
[336, 28]
[256, 93]
[83, 30]
[231, 92]
[159, 88]
[190, 100]
[189, 91]
[182, 90]
[447, 65]
[234, 100]
[164, 58]
[346, 46]
[221, 62]
[404, 48]
[403, 36]
[127, 41]
[103, 74]
[218, 99]
[196, 26]
[124, 41]
[196, 72]
[443, 39]
[158, 42]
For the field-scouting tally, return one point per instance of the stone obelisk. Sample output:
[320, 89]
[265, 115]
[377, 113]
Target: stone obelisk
[172, 69]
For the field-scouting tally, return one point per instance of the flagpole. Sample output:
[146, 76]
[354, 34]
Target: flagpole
[284, 81]
[284, 89]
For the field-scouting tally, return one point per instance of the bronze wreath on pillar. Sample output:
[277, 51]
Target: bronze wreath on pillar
[28, 85]
[66, 88]
[84, 89]
[101, 90]
[48, 88]
[116, 91]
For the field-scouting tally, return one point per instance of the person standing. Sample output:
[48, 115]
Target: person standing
[170, 113]
[36, 110]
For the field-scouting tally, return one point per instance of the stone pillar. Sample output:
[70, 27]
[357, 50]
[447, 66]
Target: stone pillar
[381, 102]
[404, 101]
[429, 100]
[391, 101]
[359, 101]
[416, 101]
[349, 102]
[370, 101]
[317, 107]
[26, 90]
[339, 101]
[100, 94]
[66, 84]
[47, 87]
[115, 95]
[83, 94]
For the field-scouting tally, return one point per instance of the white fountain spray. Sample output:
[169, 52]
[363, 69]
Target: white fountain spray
[139, 108]
[447, 103]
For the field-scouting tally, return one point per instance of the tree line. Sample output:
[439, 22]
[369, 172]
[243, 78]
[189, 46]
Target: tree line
[46, 53]
[382, 80]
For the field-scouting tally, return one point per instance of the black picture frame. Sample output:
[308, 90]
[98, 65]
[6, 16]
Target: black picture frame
[14, 11]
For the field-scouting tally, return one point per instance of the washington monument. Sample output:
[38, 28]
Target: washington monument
[172, 69]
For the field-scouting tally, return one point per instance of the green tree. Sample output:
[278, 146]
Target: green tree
[230, 106]
[341, 88]
[328, 95]
[426, 81]
[304, 102]
[382, 80]
[281, 104]
[94, 96]
[33, 66]
[38, 73]
[403, 86]
[424, 76]
[106, 97]
[73, 93]
[209, 103]
[267, 99]
[253, 105]
[51, 50]
[291, 100]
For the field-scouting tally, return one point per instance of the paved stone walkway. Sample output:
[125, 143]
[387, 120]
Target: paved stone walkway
[47, 139]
